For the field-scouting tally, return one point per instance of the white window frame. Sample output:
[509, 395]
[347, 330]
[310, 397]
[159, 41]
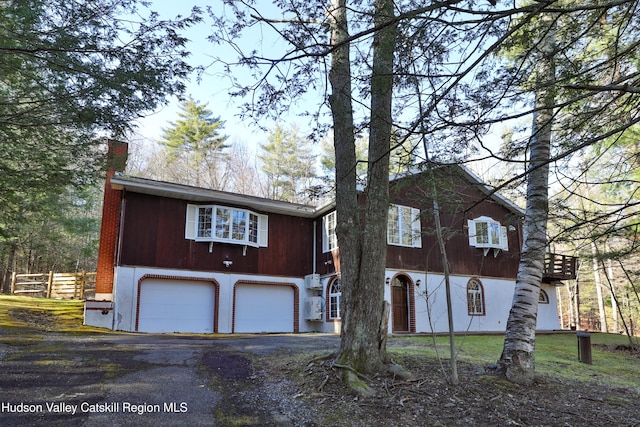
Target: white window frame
[226, 225]
[335, 299]
[475, 298]
[329, 236]
[403, 226]
[487, 233]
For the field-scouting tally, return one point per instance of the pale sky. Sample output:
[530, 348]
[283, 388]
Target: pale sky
[213, 86]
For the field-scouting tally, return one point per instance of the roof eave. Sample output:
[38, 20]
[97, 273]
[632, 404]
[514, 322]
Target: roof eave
[202, 195]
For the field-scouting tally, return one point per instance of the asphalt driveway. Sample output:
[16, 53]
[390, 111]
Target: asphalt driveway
[53, 379]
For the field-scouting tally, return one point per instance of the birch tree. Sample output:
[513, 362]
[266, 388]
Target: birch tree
[517, 361]
[589, 107]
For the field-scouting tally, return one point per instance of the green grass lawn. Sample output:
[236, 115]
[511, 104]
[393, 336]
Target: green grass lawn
[556, 355]
[50, 314]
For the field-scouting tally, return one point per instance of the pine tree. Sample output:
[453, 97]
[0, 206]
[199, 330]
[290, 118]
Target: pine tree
[71, 75]
[288, 163]
[195, 148]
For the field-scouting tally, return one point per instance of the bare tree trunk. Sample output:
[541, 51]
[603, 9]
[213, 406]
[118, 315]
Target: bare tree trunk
[348, 218]
[453, 362]
[577, 301]
[631, 282]
[614, 299]
[598, 282]
[631, 332]
[614, 303]
[6, 284]
[517, 361]
[571, 318]
[372, 270]
[362, 347]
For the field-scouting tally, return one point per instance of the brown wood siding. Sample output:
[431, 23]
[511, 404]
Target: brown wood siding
[459, 200]
[290, 247]
[153, 235]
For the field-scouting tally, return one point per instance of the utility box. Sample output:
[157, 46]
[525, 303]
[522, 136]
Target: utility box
[312, 281]
[313, 308]
[584, 347]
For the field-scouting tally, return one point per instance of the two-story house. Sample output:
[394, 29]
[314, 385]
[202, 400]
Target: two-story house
[176, 258]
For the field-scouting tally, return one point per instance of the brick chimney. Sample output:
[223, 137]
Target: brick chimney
[116, 162]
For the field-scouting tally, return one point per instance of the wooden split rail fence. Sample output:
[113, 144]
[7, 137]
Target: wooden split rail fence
[78, 285]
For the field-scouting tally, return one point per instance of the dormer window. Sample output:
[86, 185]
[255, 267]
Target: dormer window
[213, 223]
[487, 233]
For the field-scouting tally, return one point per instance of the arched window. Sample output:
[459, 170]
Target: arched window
[475, 297]
[335, 299]
[543, 298]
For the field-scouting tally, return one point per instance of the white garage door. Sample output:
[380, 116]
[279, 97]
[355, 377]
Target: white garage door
[176, 306]
[264, 308]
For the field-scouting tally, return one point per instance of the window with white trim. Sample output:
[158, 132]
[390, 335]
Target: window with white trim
[213, 223]
[329, 236]
[475, 297]
[403, 226]
[335, 299]
[487, 233]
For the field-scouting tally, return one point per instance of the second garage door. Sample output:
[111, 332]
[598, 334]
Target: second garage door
[264, 308]
[176, 306]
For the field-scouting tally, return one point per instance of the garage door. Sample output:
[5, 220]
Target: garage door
[263, 308]
[176, 306]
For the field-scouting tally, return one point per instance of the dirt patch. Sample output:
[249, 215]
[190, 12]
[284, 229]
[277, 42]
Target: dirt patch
[481, 399]
[625, 349]
[250, 395]
[40, 320]
[304, 389]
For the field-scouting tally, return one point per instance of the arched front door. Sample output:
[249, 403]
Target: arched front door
[400, 304]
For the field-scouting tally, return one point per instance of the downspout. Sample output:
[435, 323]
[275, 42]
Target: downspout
[116, 270]
[315, 241]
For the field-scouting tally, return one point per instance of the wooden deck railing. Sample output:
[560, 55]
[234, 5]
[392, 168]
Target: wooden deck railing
[79, 285]
[559, 267]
